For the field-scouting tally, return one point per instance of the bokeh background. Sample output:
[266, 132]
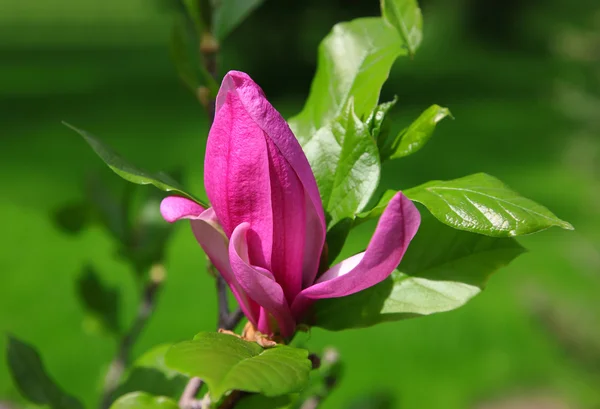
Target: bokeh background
[522, 80]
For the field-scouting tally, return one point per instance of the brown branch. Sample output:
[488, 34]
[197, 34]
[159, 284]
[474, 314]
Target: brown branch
[145, 309]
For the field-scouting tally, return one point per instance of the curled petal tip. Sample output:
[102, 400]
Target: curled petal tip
[173, 208]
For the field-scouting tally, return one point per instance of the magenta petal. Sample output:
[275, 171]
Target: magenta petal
[210, 236]
[256, 172]
[396, 228]
[174, 208]
[259, 284]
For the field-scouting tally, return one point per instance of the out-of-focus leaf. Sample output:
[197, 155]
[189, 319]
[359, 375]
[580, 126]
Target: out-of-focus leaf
[442, 269]
[196, 13]
[30, 377]
[413, 138]
[184, 54]
[150, 374]
[181, 56]
[73, 217]
[254, 401]
[142, 400]
[230, 13]
[226, 362]
[378, 400]
[130, 172]
[483, 204]
[149, 232]
[110, 206]
[405, 16]
[100, 301]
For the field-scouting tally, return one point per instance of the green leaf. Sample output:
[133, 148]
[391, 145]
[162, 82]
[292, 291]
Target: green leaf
[180, 55]
[100, 301]
[149, 233]
[30, 377]
[130, 172]
[348, 167]
[442, 270]
[405, 16]
[73, 217]
[254, 401]
[378, 122]
[378, 209]
[109, 205]
[226, 362]
[482, 204]
[142, 400]
[196, 14]
[230, 13]
[354, 60]
[149, 373]
[340, 121]
[413, 138]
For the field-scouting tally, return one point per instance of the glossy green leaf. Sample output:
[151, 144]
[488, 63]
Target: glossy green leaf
[348, 166]
[405, 16]
[226, 362]
[99, 300]
[413, 138]
[149, 373]
[379, 123]
[482, 204]
[143, 400]
[354, 60]
[130, 172]
[230, 13]
[30, 377]
[442, 270]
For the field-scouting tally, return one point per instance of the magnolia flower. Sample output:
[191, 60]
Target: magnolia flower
[266, 228]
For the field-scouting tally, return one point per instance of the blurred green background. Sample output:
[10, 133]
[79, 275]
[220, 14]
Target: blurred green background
[522, 80]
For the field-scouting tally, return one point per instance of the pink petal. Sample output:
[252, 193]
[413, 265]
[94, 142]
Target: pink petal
[396, 228]
[174, 208]
[259, 284]
[210, 236]
[256, 172]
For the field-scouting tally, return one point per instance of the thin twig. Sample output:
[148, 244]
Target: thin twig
[145, 309]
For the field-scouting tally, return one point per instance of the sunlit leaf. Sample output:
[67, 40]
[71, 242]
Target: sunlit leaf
[482, 204]
[442, 270]
[413, 138]
[30, 377]
[130, 172]
[354, 60]
[226, 362]
[379, 122]
[405, 16]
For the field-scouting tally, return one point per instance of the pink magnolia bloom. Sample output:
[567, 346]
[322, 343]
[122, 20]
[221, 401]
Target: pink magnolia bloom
[266, 228]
